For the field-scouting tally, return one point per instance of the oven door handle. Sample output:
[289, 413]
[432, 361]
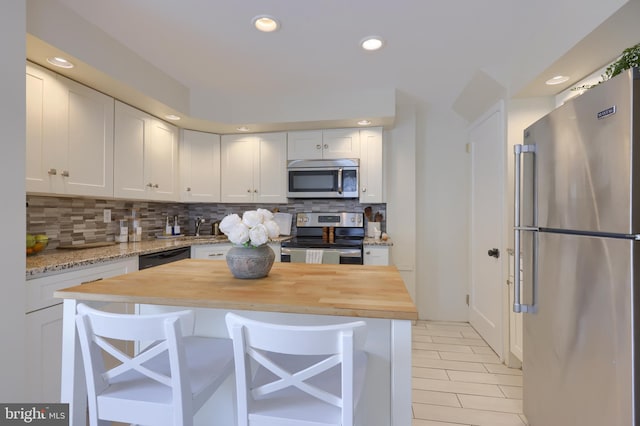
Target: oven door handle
[341, 252]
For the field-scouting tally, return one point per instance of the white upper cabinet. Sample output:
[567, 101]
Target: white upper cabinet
[323, 144]
[371, 167]
[199, 167]
[146, 156]
[253, 168]
[69, 146]
[305, 145]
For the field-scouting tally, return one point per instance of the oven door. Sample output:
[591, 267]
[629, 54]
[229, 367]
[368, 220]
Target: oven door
[323, 182]
[348, 256]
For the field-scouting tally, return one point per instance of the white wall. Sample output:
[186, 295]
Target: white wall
[400, 188]
[12, 213]
[442, 186]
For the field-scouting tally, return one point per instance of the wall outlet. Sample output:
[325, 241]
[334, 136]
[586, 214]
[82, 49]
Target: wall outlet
[106, 215]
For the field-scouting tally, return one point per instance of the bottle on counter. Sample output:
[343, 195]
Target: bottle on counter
[176, 226]
[135, 232]
[123, 232]
[168, 230]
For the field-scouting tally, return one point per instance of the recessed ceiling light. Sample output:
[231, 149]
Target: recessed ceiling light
[172, 117]
[557, 80]
[371, 43]
[364, 122]
[60, 62]
[266, 23]
[242, 129]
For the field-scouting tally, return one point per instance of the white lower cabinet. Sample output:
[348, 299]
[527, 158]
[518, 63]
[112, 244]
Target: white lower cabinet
[44, 324]
[376, 255]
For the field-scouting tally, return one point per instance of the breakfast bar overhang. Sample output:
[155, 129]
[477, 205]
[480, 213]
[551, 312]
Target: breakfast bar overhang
[295, 293]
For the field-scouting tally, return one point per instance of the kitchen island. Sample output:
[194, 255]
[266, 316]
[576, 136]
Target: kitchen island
[293, 293]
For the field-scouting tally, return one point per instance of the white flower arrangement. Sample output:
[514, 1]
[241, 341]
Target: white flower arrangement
[254, 229]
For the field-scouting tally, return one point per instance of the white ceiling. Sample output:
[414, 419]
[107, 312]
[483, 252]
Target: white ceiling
[433, 49]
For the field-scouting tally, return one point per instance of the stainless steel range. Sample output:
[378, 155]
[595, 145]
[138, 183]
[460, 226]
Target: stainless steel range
[342, 232]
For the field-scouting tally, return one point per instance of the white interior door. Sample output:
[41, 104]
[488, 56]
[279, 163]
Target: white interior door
[487, 144]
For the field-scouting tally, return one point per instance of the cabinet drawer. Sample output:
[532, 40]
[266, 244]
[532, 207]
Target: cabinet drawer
[40, 290]
[210, 251]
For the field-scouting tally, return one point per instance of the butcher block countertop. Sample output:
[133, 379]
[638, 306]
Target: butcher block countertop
[344, 290]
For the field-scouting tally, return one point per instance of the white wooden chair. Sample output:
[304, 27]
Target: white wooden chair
[297, 375]
[166, 383]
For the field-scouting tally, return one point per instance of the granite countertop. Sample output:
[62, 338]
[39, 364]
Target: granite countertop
[60, 260]
[370, 241]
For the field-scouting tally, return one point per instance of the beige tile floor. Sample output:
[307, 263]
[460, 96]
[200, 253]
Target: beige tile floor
[459, 381]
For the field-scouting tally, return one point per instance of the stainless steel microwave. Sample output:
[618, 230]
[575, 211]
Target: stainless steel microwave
[323, 178]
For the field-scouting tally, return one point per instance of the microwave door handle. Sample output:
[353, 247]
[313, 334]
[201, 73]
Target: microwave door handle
[340, 181]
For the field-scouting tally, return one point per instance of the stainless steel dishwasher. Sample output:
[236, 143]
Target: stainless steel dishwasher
[160, 258]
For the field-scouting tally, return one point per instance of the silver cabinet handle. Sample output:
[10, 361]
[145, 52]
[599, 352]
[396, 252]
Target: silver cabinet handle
[188, 189]
[52, 172]
[318, 146]
[364, 189]
[156, 186]
[517, 228]
[326, 146]
[367, 252]
[255, 191]
[150, 185]
[65, 173]
[216, 254]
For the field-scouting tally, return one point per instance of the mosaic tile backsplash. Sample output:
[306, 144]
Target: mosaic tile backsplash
[80, 220]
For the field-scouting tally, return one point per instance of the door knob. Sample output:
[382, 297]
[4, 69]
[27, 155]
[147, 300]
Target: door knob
[494, 252]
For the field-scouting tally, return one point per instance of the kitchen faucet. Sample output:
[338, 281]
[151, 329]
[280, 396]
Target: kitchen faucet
[199, 221]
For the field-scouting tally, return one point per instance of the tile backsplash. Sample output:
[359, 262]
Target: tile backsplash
[80, 220]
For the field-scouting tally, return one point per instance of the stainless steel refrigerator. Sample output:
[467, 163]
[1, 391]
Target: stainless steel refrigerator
[577, 228]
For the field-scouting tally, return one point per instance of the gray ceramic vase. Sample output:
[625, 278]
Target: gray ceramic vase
[250, 262]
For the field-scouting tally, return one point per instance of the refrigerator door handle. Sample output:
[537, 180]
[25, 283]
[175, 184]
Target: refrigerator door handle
[517, 306]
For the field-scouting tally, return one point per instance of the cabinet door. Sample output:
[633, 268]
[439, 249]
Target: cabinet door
[161, 161]
[89, 148]
[44, 138]
[199, 167]
[341, 143]
[44, 354]
[131, 126]
[371, 177]
[306, 145]
[69, 136]
[236, 168]
[376, 255]
[270, 173]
